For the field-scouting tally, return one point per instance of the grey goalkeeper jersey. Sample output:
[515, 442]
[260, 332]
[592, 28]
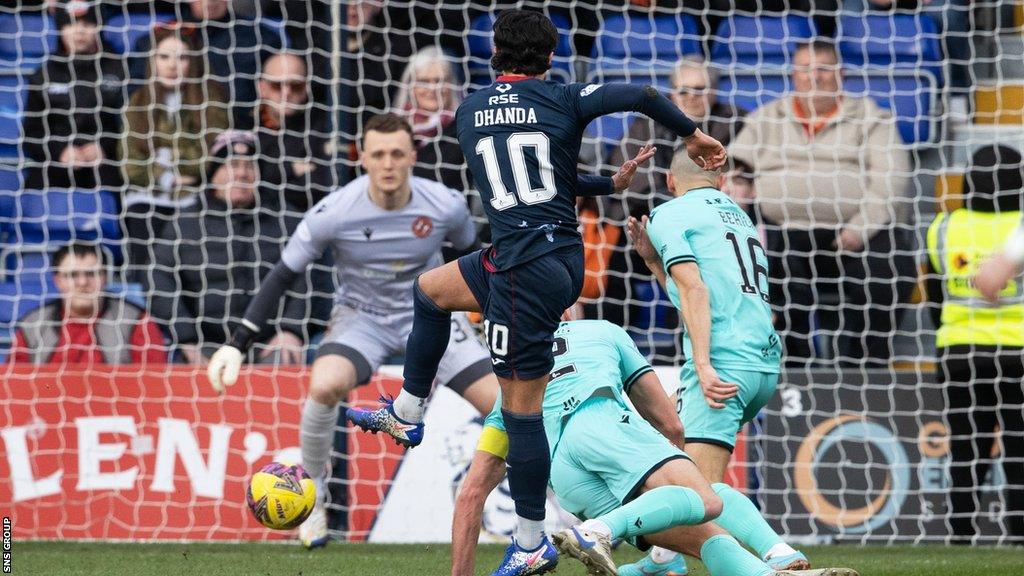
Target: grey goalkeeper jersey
[378, 253]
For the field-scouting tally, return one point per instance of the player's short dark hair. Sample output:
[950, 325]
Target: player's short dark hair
[523, 41]
[78, 249]
[817, 45]
[386, 124]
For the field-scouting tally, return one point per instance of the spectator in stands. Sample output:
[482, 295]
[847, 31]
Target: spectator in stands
[85, 325]
[72, 116]
[428, 98]
[980, 344]
[830, 171]
[170, 125]
[694, 88]
[298, 163]
[211, 261]
[233, 44]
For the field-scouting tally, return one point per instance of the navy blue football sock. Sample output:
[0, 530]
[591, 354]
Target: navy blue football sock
[529, 463]
[431, 329]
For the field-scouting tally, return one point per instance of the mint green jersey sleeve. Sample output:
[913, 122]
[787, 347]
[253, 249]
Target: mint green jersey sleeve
[669, 238]
[494, 419]
[632, 363]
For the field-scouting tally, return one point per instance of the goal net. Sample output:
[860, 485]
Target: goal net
[850, 126]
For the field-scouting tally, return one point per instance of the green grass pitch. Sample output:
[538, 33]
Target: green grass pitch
[97, 559]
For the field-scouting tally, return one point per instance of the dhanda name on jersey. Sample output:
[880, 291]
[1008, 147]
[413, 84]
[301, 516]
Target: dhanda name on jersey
[490, 117]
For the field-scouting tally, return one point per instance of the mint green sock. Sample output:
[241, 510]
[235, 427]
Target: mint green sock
[742, 519]
[654, 511]
[723, 556]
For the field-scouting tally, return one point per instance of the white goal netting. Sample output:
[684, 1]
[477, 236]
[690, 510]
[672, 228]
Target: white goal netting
[844, 151]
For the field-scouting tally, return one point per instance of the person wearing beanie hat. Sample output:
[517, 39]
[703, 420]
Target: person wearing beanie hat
[72, 120]
[980, 344]
[236, 149]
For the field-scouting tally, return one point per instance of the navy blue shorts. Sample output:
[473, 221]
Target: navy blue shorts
[523, 305]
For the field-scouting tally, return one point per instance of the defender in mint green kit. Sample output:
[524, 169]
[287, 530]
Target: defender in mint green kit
[707, 253]
[596, 363]
[706, 228]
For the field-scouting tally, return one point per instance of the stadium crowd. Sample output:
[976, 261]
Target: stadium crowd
[216, 132]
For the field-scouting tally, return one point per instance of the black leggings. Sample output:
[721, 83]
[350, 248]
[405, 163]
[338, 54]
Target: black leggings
[984, 390]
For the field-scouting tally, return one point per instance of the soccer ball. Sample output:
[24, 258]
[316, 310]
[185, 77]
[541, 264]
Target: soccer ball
[281, 497]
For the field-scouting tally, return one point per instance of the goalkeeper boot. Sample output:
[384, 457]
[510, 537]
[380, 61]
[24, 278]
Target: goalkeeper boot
[384, 420]
[819, 572]
[648, 567]
[794, 561]
[313, 532]
[591, 548]
[522, 562]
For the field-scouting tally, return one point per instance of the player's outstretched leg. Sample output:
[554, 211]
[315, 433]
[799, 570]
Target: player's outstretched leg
[743, 520]
[435, 295]
[653, 511]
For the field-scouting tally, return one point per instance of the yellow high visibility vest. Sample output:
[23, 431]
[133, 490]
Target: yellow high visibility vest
[958, 243]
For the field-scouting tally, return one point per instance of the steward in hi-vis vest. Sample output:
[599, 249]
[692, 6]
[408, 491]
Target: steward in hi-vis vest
[980, 343]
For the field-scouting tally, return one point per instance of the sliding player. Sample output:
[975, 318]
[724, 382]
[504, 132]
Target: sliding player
[709, 249]
[611, 465]
[521, 139]
[384, 229]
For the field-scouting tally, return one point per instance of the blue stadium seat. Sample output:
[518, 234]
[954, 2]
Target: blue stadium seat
[121, 33]
[26, 39]
[887, 41]
[758, 41]
[910, 96]
[10, 187]
[481, 40]
[12, 94]
[652, 44]
[30, 265]
[63, 215]
[750, 91]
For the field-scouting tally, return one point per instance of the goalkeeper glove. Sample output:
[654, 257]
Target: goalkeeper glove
[224, 367]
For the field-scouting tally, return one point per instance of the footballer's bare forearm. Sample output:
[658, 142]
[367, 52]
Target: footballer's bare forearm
[485, 473]
[695, 304]
[651, 401]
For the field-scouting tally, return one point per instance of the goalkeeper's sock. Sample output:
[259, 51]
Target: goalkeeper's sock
[654, 511]
[722, 555]
[428, 340]
[743, 520]
[529, 466]
[316, 436]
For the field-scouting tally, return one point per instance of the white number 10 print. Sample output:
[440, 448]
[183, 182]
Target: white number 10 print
[501, 198]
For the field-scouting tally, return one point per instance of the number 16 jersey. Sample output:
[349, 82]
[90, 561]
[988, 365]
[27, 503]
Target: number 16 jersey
[706, 227]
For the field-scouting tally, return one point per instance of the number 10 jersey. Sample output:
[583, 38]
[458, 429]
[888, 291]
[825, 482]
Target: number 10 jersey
[521, 140]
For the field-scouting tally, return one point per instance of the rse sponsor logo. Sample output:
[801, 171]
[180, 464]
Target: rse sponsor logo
[589, 90]
[503, 99]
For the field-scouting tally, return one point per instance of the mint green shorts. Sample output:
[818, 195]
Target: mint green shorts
[603, 457]
[702, 423]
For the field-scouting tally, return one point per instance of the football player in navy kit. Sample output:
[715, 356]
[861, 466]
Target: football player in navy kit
[521, 139]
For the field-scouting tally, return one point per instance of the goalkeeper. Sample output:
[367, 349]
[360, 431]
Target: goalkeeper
[611, 465]
[706, 252]
[384, 228]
